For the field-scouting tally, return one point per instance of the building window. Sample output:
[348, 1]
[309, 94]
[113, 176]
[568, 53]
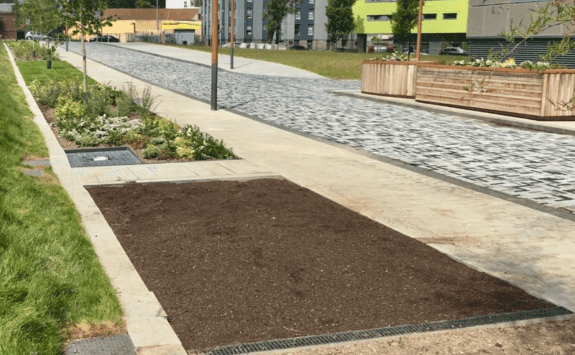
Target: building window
[298, 15]
[310, 30]
[430, 16]
[296, 31]
[379, 17]
[450, 16]
[185, 4]
[248, 30]
[310, 14]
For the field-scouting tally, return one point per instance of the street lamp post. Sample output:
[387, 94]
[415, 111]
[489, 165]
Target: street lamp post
[232, 38]
[214, 100]
[419, 19]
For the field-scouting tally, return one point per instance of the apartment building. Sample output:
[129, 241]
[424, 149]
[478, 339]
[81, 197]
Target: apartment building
[305, 28]
[443, 20]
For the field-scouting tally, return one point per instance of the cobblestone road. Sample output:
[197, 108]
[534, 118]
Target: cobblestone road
[538, 166]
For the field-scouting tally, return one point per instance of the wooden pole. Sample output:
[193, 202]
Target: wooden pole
[419, 19]
[214, 100]
[232, 38]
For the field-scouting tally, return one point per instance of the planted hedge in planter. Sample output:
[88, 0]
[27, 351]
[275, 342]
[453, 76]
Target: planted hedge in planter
[545, 95]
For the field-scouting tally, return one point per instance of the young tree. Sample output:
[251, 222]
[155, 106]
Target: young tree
[340, 20]
[37, 15]
[404, 19]
[555, 13]
[83, 14]
[275, 12]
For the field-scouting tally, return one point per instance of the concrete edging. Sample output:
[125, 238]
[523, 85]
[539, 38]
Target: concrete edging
[145, 318]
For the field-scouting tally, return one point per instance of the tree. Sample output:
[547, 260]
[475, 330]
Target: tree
[275, 12]
[340, 20]
[555, 13]
[143, 4]
[37, 15]
[404, 19]
[83, 15]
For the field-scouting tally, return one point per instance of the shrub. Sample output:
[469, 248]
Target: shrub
[69, 112]
[151, 152]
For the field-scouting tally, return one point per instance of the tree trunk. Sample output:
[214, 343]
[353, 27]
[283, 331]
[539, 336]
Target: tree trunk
[85, 65]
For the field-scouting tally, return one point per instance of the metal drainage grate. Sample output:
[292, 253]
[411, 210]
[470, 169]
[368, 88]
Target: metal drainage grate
[385, 332]
[102, 157]
[112, 345]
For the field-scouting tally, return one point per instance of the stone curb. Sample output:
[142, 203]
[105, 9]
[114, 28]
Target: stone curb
[484, 116]
[145, 318]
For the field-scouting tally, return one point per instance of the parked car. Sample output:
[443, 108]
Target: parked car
[37, 36]
[452, 51]
[298, 47]
[105, 38]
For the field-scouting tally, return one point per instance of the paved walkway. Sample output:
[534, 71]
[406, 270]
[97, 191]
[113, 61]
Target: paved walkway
[192, 171]
[537, 166]
[241, 65]
[529, 248]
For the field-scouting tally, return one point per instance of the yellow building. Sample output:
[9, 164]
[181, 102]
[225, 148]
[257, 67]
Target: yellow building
[129, 22]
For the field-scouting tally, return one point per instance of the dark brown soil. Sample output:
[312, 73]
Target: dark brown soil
[236, 262]
[50, 116]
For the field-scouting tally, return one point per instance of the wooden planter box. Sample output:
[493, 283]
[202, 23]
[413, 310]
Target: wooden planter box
[516, 92]
[391, 78]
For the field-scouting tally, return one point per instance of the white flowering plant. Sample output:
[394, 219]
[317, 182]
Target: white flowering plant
[91, 121]
[509, 63]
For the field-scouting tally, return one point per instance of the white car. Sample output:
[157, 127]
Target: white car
[37, 36]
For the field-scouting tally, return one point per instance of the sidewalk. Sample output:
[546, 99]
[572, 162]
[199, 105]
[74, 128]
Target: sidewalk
[241, 65]
[528, 248]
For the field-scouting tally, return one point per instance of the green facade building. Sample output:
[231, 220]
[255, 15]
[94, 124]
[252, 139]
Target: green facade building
[443, 20]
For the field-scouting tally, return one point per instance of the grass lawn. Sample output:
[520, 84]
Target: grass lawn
[333, 65]
[61, 70]
[51, 281]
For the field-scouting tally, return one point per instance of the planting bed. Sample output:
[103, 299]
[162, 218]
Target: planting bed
[237, 262]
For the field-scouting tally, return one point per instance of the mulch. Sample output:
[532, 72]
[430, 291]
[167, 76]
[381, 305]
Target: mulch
[237, 262]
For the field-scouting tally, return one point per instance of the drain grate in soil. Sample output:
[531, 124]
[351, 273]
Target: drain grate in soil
[102, 157]
[314, 340]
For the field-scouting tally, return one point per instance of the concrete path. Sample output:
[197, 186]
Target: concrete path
[529, 248]
[241, 65]
[192, 171]
[520, 164]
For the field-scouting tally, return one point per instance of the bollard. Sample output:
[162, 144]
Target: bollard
[49, 64]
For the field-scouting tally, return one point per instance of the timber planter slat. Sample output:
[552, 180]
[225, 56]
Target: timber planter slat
[541, 96]
[390, 78]
[545, 96]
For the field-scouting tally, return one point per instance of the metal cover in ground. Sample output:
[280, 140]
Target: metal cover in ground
[312, 340]
[112, 345]
[102, 157]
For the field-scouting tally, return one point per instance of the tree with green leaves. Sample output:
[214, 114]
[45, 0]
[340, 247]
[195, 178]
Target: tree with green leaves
[38, 15]
[404, 19]
[143, 4]
[340, 20]
[553, 14]
[275, 12]
[84, 15]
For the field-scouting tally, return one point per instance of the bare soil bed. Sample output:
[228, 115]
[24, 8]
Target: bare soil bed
[237, 262]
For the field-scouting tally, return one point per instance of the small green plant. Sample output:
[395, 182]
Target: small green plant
[151, 152]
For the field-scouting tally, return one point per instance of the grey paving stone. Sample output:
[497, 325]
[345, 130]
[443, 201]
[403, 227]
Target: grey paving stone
[506, 159]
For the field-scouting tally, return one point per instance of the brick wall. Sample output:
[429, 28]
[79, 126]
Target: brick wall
[8, 30]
